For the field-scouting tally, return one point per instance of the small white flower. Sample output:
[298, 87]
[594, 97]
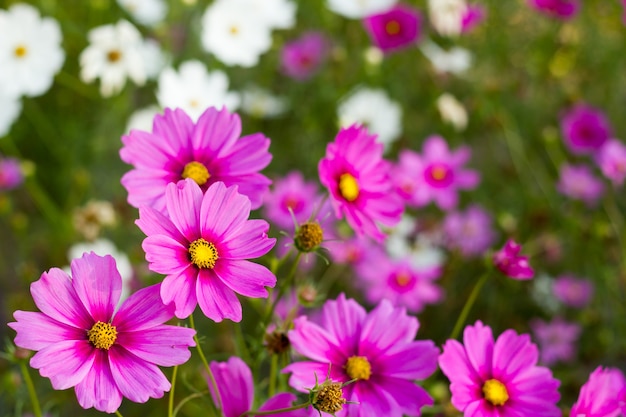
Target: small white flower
[446, 16]
[233, 32]
[260, 103]
[452, 111]
[30, 51]
[456, 60]
[373, 109]
[193, 89]
[142, 119]
[358, 9]
[154, 58]
[277, 14]
[146, 12]
[11, 107]
[422, 250]
[114, 53]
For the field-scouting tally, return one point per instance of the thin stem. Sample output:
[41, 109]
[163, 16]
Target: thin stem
[468, 306]
[278, 411]
[118, 414]
[170, 407]
[187, 399]
[281, 291]
[207, 367]
[31, 390]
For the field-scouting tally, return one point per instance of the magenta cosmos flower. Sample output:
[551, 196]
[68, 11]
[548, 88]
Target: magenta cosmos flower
[384, 359]
[470, 231]
[394, 29]
[498, 379]
[302, 58]
[83, 343]
[585, 129]
[508, 261]
[473, 16]
[357, 178]
[11, 175]
[557, 340]
[560, 9]
[573, 292]
[207, 152]
[436, 175]
[602, 395]
[612, 161]
[203, 249]
[578, 183]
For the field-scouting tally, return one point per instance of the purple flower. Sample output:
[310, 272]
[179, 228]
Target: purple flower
[498, 379]
[377, 349]
[436, 175]
[83, 343]
[602, 395]
[508, 261]
[394, 29]
[557, 340]
[585, 129]
[357, 178]
[470, 231]
[303, 57]
[207, 152]
[559, 9]
[291, 194]
[572, 291]
[473, 16]
[578, 183]
[11, 175]
[611, 158]
[203, 249]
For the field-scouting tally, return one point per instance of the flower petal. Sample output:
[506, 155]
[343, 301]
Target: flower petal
[162, 345]
[98, 284]
[343, 319]
[98, 389]
[315, 342]
[303, 374]
[215, 133]
[216, 300]
[181, 290]
[183, 201]
[142, 310]
[245, 278]
[166, 255]
[416, 360]
[249, 242]
[65, 363]
[478, 341]
[223, 211]
[151, 222]
[35, 330]
[235, 384]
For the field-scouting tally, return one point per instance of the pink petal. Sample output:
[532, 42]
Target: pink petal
[65, 363]
[343, 319]
[377, 336]
[146, 187]
[315, 342]
[181, 290]
[183, 202]
[174, 128]
[98, 389]
[151, 222]
[142, 310]
[145, 150]
[249, 242]
[456, 366]
[374, 399]
[162, 345]
[166, 255]
[410, 397]
[98, 284]
[35, 330]
[215, 133]
[468, 179]
[254, 186]
[245, 278]
[304, 373]
[136, 379]
[235, 384]
[223, 211]
[416, 360]
[478, 341]
[216, 300]
[435, 148]
[249, 154]
[512, 353]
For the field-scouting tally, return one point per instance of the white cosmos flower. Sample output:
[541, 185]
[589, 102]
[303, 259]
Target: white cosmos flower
[146, 12]
[452, 111]
[115, 52]
[260, 103]
[446, 16]
[11, 107]
[373, 109]
[30, 51]
[154, 58]
[193, 89]
[456, 60]
[278, 14]
[358, 9]
[234, 33]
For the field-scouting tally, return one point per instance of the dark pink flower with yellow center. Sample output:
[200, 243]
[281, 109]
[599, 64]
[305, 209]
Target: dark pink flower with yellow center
[357, 178]
[203, 247]
[436, 175]
[395, 29]
[498, 379]
[376, 349]
[208, 151]
[82, 342]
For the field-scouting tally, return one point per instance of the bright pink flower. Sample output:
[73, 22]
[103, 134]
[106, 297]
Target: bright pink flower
[556, 339]
[357, 178]
[585, 129]
[83, 343]
[202, 248]
[291, 193]
[302, 58]
[602, 394]
[207, 152]
[377, 348]
[473, 16]
[436, 175]
[578, 183]
[498, 379]
[559, 9]
[394, 29]
[572, 291]
[612, 161]
[11, 175]
[470, 231]
[508, 261]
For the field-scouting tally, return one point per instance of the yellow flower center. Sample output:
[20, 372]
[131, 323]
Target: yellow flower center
[197, 172]
[203, 254]
[308, 237]
[439, 172]
[114, 55]
[392, 27]
[102, 335]
[20, 51]
[329, 398]
[403, 279]
[234, 30]
[495, 392]
[358, 367]
[348, 187]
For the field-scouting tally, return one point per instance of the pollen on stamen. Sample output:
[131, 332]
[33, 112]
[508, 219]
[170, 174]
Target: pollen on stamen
[495, 392]
[203, 254]
[392, 27]
[329, 399]
[114, 55]
[358, 367]
[308, 236]
[197, 172]
[20, 51]
[348, 187]
[102, 335]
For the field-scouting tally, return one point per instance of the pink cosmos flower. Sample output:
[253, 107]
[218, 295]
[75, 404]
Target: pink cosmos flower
[572, 291]
[11, 175]
[303, 57]
[559, 9]
[508, 261]
[207, 152]
[394, 29]
[291, 193]
[82, 343]
[203, 249]
[611, 158]
[473, 16]
[351, 250]
[357, 178]
[557, 340]
[470, 232]
[436, 175]
[602, 394]
[578, 183]
[384, 359]
[585, 129]
[497, 379]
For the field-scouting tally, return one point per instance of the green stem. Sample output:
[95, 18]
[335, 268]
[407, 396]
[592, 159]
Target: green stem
[170, 407]
[118, 414]
[31, 390]
[281, 291]
[273, 373]
[187, 399]
[207, 367]
[468, 306]
[278, 411]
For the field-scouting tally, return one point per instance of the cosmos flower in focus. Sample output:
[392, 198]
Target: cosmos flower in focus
[558, 9]
[585, 129]
[511, 264]
[602, 395]
[394, 29]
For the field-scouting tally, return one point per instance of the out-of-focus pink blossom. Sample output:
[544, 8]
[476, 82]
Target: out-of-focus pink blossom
[585, 129]
[559, 9]
[572, 291]
[395, 29]
[578, 183]
[557, 340]
[508, 261]
[303, 57]
[611, 159]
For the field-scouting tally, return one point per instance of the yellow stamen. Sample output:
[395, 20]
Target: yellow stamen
[392, 27]
[348, 187]
[197, 172]
[329, 398]
[403, 279]
[358, 367]
[234, 30]
[495, 392]
[102, 335]
[114, 55]
[438, 172]
[203, 254]
[308, 237]
[20, 51]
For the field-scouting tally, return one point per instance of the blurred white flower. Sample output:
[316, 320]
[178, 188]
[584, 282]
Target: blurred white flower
[142, 119]
[260, 103]
[11, 108]
[92, 217]
[193, 89]
[30, 51]
[154, 58]
[373, 109]
[422, 250]
[456, 60]
[452, 111]
[234, 33]
[114, 53]
[358, 9]
[373, 56]
[146, 12]
[278, 14]
[446, 16]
